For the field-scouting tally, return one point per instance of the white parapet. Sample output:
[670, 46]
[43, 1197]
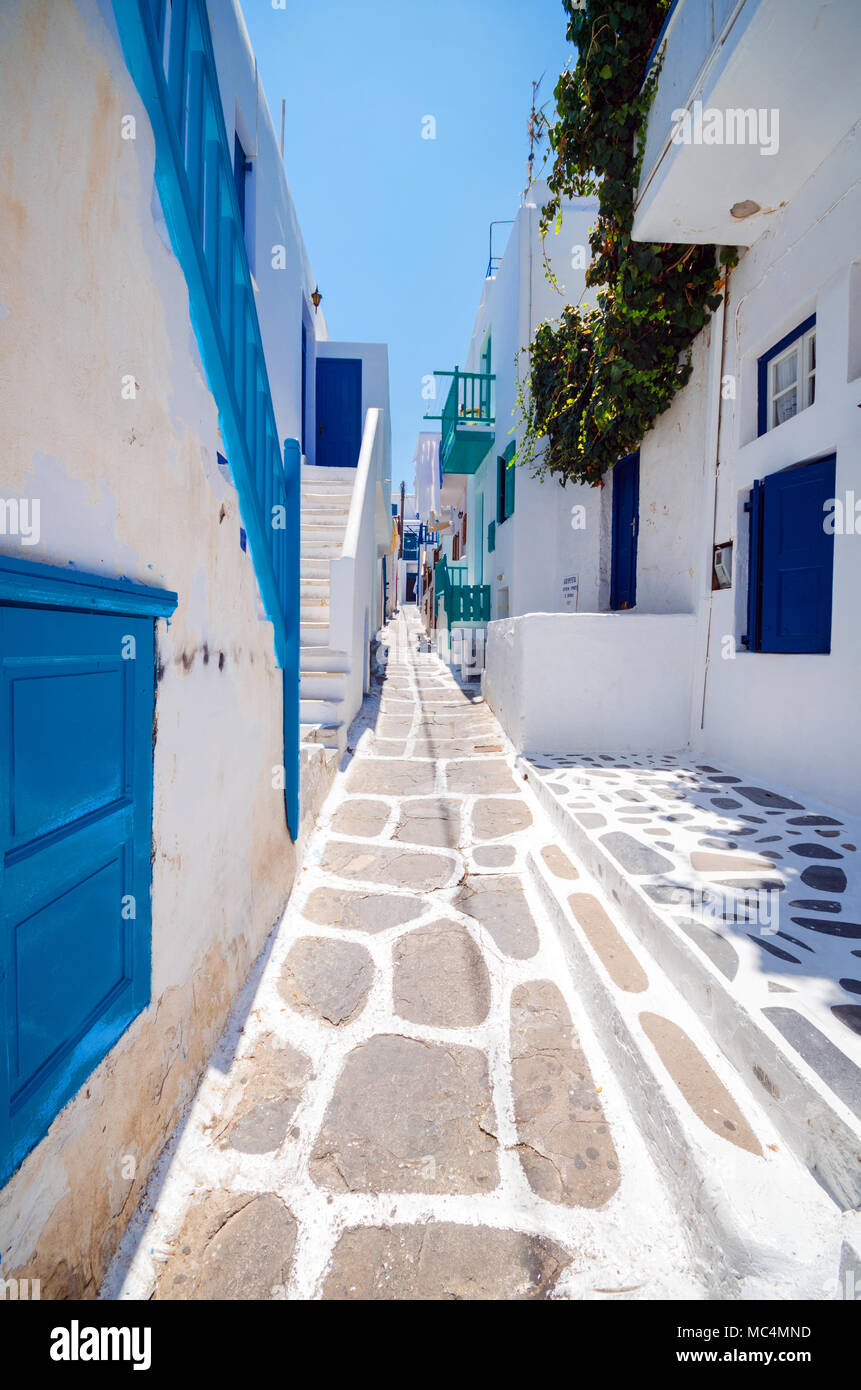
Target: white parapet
[591, 681]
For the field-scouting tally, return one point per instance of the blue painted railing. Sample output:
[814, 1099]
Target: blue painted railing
[168, 50]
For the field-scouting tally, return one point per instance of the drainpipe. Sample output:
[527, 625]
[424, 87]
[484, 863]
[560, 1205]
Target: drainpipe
[713, 452]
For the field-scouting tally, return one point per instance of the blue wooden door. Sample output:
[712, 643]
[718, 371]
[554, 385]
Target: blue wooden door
[626, 521]
[797, 559]
[76, 710]
[339, 411]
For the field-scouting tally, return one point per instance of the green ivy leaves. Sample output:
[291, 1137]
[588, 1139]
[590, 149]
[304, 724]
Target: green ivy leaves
[599, 377]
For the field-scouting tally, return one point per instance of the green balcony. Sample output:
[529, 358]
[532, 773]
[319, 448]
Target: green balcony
[467, 421]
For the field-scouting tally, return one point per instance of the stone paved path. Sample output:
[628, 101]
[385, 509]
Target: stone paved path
[765, 890]
[407, 1104]
[454, 1075]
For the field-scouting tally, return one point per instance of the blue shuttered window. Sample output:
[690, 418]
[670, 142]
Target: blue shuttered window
[76, 717]
[505, 484]
[791, 560]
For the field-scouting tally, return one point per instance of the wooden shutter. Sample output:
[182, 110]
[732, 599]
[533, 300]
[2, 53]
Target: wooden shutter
[797, 559]
[76, 712]
[509, 480]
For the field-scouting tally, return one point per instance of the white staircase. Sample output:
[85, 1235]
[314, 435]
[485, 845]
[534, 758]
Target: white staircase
[326, 495]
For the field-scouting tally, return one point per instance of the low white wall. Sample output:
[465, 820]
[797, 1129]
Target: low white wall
[591, 682]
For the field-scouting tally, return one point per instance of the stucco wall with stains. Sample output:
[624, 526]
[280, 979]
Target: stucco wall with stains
[92, 293]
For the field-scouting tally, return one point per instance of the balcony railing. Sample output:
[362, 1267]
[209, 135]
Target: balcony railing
[467, 420]
[465, 604]
[168, 50]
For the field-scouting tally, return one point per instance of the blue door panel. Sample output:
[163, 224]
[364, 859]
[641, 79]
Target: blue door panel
[78, 936]
[626, 502]
[339, 411]
[67, 731]
[76, 709]
[797, 559]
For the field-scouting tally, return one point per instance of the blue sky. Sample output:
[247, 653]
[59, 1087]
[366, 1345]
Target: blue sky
[396, 226]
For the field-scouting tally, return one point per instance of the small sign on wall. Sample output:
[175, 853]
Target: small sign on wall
[570, 593]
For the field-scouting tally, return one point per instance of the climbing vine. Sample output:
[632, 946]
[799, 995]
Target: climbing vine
[598, 377]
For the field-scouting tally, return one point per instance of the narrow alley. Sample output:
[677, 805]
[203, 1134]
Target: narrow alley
[430, 817]
[410, 1100]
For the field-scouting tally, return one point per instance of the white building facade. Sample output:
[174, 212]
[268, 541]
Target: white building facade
[675, 641]
[148, 615]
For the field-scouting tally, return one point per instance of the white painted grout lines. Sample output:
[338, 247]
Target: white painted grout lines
[636, 1238]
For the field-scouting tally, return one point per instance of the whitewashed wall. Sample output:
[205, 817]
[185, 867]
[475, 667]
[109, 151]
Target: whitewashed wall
[791, 717]
[787, 719]
[587, 682]
[537, 547]
[89, 292]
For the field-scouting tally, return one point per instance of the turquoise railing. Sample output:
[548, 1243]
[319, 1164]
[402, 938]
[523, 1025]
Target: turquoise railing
[469, 402]
[168, 50]
[468, 603]
[464, 603]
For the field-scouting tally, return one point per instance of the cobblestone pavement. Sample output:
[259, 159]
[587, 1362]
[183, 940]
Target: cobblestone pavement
[410, 1102]
[764, 889]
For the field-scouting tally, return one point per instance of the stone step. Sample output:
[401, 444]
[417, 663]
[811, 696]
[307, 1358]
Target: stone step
[808, 1082]
[327, 478]
[313, 587]
[313, 633]
[326, 494]
[321, 550]
[313, 569]
[316, 710]
[316, 610]
[325, 734]
[751, 1212]
[333, 498]
[323, 531]
[326, 521]
[322, 658]
[322, 684]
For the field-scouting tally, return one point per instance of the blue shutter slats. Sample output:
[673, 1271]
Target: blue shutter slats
[77, 690]
[505, 484]
[509, 480]
[753, 507]
[797, 559]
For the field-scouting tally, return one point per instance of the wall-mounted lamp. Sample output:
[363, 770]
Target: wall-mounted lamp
[315, 298]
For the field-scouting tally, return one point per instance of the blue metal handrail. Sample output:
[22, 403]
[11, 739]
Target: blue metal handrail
[169, 54]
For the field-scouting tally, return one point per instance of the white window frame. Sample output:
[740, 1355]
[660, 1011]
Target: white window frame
[804, 385]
